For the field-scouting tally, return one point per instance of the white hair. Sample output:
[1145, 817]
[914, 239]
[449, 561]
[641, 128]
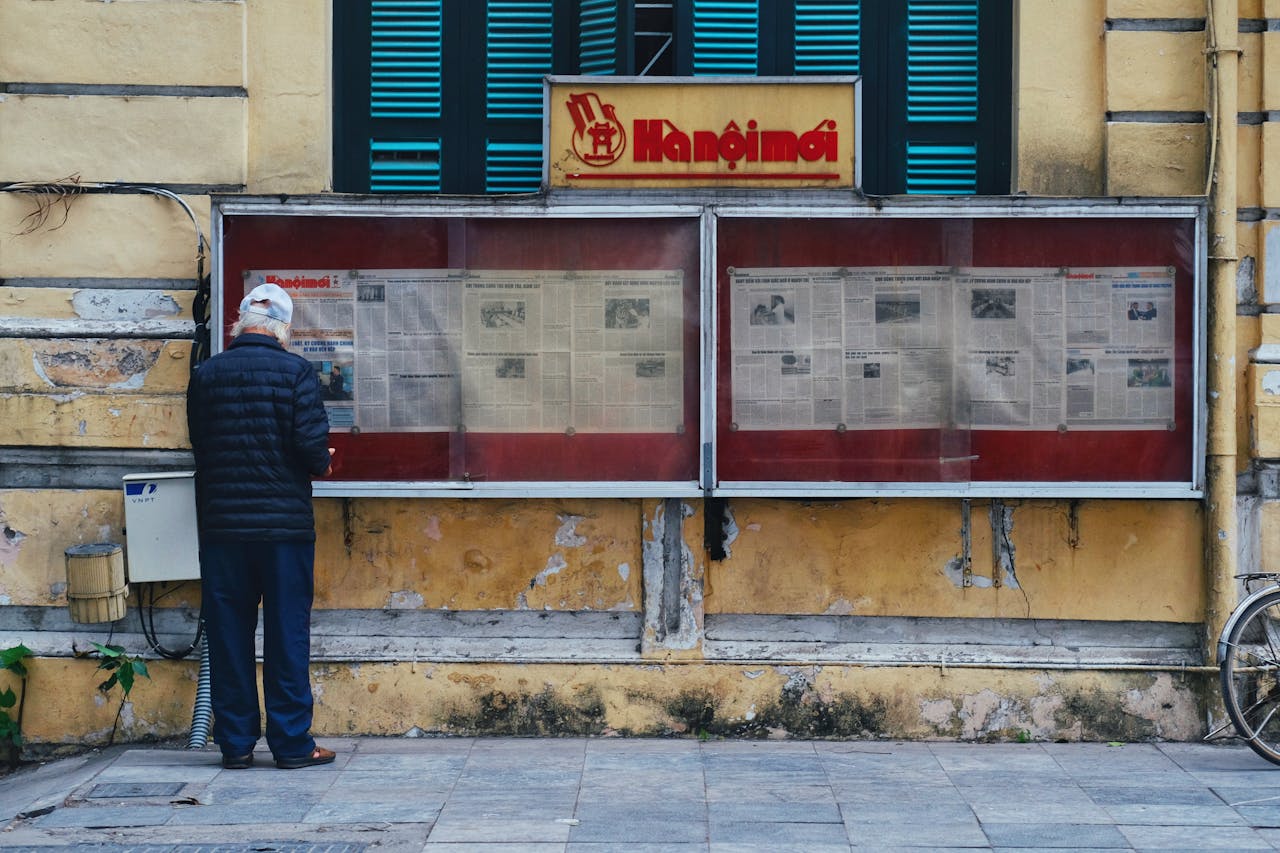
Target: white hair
[251, 321]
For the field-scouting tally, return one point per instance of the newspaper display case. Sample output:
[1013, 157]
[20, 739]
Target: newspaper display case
[977, 350]
[978, 347]
[487, 350]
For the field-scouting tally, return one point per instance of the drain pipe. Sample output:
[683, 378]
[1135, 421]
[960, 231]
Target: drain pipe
[1221, 535]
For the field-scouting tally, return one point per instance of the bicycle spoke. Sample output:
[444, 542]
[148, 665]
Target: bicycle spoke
[1265, 720]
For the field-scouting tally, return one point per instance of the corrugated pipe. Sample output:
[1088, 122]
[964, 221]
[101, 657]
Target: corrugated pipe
[202, 711]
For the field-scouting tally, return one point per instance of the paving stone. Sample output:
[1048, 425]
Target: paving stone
[1087, 757]
[631, 847]
[160, 773]
[1151, 795]
[1199, 757]
[1204, 838]
[776, 833]
[775, 847]
[949, 810]
[773, 794]
[674, 809]
[1249, 795]
[413, 745]
[646, 830]
[917, 834]
[1152, 815]
[494, 847]
[957, 759]
[1056, 835]
[374, 812]
[762, 812]
[281, 810]
[119, 790]
[476, 830]
[96, 816]
[416, 762]
[511, 810]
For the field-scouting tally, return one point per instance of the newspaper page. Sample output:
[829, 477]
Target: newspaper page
[828, 347]
[628, 351]
[918, 347]
[408, 324]
[322, 331]
[1120, 348]
[786, 330]
[1008, 348]
[897, 336]
[587, 351]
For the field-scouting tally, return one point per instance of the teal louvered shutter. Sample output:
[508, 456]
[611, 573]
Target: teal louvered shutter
[828, 36]
[598, 33]
[405, 39]
[726, 37]
[942, 89]
[518, 53]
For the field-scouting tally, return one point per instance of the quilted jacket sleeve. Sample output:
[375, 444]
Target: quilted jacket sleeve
[310, 425]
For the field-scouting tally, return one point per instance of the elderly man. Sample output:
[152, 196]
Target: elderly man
[259, 433]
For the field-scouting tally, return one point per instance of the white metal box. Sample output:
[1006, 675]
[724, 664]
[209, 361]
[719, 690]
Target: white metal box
[161, 540]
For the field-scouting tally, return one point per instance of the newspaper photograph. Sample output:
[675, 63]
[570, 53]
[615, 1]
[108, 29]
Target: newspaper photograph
[981, 348]
[418, 350]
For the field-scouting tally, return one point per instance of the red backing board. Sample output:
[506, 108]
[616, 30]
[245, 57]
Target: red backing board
[257, 242]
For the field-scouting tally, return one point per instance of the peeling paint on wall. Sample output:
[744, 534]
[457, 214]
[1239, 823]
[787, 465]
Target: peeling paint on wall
[124, 305]
[555, 565]
[404, 599]
[731, 530]
[10, 543]
[567, 536]
[95, 364]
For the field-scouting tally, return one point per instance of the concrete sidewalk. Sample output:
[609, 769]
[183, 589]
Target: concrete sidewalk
[588, 795]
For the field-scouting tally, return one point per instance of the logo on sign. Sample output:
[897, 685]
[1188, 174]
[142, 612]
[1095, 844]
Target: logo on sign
[598, 137]
[140, 493]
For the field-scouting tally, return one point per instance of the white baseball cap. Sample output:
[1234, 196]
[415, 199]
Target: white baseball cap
[268, 299]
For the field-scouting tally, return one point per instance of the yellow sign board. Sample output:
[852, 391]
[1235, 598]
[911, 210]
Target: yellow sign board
[625, 133]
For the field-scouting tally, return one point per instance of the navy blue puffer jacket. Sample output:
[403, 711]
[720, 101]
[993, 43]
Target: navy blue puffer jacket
[259, 433]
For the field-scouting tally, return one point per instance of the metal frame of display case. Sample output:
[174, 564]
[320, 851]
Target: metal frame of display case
[708, 209]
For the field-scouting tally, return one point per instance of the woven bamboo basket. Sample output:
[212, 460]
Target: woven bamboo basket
[96, 588]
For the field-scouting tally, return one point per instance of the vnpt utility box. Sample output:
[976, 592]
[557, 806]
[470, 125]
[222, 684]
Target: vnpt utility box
[160, 527]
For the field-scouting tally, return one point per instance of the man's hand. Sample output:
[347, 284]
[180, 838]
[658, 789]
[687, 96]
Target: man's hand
[329, 470]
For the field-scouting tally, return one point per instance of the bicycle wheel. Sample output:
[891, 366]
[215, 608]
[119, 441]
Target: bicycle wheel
[1250, 673]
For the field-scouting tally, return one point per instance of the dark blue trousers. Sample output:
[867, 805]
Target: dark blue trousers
[236, 577]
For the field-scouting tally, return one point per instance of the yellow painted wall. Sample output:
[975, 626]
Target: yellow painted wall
[65, 708]
[479, 555]
[1089, 560]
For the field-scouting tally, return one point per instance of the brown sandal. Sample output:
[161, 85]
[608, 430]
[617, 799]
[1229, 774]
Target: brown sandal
[319, 755]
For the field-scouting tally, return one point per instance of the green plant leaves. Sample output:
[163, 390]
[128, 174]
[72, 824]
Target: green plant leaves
[11, 659]
[124, 668]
